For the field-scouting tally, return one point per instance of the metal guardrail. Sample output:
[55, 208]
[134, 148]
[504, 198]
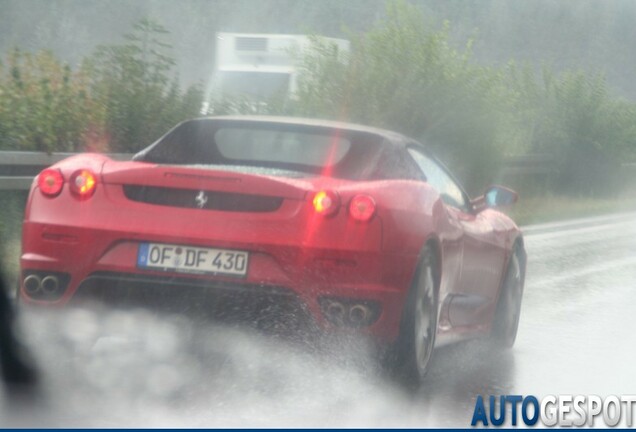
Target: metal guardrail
[17, 169]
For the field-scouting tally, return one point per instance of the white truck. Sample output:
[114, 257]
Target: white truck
[257, 66]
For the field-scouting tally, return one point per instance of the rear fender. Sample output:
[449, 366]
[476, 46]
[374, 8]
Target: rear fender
[91, 161]
[410, 213]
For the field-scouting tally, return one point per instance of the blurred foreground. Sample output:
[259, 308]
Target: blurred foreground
[105, 368]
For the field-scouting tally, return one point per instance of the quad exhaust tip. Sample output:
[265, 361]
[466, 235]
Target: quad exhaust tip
[335, 311]
[32, 284]
[359, 314]
[44, 286]
[50, 284]
[349, 313]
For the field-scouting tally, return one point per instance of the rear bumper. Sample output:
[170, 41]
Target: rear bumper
[101, 263]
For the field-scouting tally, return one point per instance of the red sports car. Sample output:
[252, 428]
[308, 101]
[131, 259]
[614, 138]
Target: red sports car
[362, 228]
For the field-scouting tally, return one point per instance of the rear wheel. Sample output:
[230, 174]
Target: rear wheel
[414, 348]
[506, 320]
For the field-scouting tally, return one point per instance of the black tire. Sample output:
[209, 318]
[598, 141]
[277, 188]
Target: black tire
[413, 351]
[508, 312]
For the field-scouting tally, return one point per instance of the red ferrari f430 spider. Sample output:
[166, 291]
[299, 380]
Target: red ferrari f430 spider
[362, 228]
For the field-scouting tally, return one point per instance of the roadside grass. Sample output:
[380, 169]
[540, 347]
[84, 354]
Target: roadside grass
[10, 261]
[553, 208]
[11, 213]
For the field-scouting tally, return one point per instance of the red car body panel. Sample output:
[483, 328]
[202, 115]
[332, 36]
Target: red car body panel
[293, 247]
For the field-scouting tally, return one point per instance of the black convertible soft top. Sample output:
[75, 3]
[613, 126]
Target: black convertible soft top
[308, 146]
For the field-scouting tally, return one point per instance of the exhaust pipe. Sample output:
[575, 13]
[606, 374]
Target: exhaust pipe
[32, 284]
[50, 284]
[359, 314]
[335, 311]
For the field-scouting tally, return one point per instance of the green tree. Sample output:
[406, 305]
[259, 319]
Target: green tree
[133, 83]
[574, 118]
[44, 106]
[406, 76]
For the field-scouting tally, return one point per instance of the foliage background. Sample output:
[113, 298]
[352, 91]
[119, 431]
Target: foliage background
[478, 80]
[407, 70]
[120, 98]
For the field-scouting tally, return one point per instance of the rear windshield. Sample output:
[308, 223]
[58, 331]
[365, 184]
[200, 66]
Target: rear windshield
[291, 147]
[286, 147]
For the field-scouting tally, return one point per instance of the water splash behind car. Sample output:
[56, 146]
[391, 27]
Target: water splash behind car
[114, 368]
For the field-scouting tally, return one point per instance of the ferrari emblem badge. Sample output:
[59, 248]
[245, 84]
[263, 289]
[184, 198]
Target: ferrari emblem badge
[201, 199]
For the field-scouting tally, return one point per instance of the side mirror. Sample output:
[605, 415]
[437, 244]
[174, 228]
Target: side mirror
[499, 196]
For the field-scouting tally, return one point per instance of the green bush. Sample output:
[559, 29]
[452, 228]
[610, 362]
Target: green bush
[11, 215]
[574, 118]
[132, 83]
[403, 74]
[406, 77]
[121, 99]
[44, 106]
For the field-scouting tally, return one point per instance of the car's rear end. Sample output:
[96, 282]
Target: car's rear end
[207, 219]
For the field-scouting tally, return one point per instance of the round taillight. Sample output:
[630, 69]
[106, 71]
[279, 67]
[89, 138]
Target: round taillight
[50, 182]
[362, 208]
[326, 202]
[82, 183]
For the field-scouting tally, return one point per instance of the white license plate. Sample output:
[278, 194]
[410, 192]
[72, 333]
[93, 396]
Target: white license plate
[190, 259]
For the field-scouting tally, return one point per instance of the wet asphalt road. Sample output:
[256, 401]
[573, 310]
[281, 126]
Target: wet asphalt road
[113, 368]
